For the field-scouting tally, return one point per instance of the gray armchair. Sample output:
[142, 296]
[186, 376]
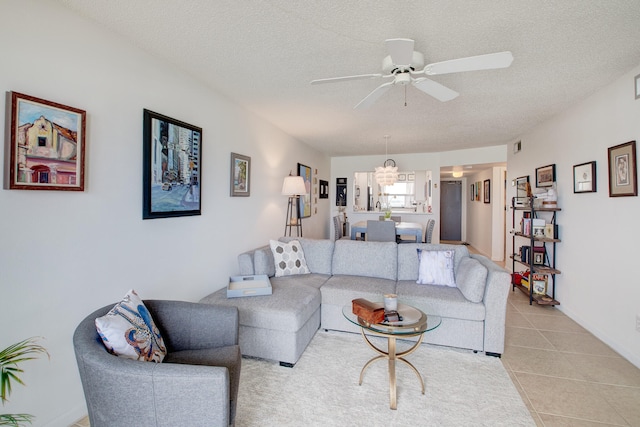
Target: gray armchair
[195, 385]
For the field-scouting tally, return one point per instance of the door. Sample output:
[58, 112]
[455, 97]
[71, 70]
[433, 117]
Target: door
[451, 210]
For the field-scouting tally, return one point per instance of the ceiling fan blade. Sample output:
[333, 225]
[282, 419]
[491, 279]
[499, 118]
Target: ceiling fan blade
[472, 63]
[373, 96]
[400, 51]
[438, 91]
[345, 78]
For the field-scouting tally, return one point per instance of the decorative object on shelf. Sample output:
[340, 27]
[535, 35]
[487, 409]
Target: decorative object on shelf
[545, 176]
[623, 173]
[388, 173]
[539, 283]
[584, 178]
[240, 175]
[294, 187]
[304, 201]
[522, 191]
[171, 168]
[47, 145]
[487, 191]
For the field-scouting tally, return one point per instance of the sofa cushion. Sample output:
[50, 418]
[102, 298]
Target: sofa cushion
[471, 279]
[367, 259]
[436, 268]
[293, 301]
[442, 301]
[263, 262]
[317, 252]
[128, 330]
[342, 289]
[288, 258]
[408, 262]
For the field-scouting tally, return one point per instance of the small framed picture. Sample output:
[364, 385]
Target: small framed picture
[402, 177]
[623, 174]
[538, 231]
[411, 177]
[487, 191]
[549, 233]
[538, 258]
[324, 189]
[545, 176]
[584, 178]
[539, 282]
[473, 192]
[240, 175]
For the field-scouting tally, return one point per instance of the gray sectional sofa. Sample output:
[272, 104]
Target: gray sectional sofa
[281, 325]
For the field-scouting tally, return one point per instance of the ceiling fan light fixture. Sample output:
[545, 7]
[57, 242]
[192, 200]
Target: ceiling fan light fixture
[457, 174]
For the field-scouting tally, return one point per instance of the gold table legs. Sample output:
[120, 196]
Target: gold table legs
[391, 355]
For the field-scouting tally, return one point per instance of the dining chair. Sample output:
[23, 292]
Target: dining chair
[428, 231]
[381, 231]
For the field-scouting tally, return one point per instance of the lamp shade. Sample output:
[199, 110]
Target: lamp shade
[387, 175]
[293, 186]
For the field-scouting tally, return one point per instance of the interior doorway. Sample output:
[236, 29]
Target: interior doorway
[451, 210]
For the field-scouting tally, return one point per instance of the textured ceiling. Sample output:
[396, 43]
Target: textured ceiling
[263, 54]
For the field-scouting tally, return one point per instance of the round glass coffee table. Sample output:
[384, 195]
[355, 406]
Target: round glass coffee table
[414, 323]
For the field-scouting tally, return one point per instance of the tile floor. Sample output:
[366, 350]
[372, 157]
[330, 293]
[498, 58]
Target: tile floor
[565, 376]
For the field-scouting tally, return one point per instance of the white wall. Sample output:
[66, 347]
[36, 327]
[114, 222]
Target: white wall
[65, 254]
[598, 254]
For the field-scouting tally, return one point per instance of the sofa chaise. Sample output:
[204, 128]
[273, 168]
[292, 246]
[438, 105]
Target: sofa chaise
[281, 325]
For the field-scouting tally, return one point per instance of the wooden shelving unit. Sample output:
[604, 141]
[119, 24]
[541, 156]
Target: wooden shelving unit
[548, 267]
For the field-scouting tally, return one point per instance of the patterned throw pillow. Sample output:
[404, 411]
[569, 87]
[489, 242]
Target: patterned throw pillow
[288, 258]
[436, 268]
[128, 330]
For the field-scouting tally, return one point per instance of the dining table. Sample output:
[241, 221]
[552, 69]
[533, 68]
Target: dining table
[402, 228]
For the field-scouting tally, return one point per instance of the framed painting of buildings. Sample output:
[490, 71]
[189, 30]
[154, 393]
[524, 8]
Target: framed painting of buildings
[46, 145]
[172, 173]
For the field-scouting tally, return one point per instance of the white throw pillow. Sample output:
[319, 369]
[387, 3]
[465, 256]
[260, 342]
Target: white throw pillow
[128, 330]
[288, 258]
[436, 268]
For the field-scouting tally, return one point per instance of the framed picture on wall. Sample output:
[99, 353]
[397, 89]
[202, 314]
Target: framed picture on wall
[324, 189]
[487, 191]
[240, 175]
[545, 176]
[47, 145]
[304, 201]
[473, 192]
[171, 168]
[623, 173]
[584, 178]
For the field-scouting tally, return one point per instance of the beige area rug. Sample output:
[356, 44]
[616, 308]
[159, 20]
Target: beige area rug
[462, 389]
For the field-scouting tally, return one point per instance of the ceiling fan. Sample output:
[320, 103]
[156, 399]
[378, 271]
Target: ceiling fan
[405, 66]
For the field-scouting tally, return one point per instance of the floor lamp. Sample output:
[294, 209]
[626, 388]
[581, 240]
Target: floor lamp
[293, 187]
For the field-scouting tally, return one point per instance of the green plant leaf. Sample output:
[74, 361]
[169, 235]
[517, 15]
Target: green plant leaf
[13, 355]
[15, 419]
